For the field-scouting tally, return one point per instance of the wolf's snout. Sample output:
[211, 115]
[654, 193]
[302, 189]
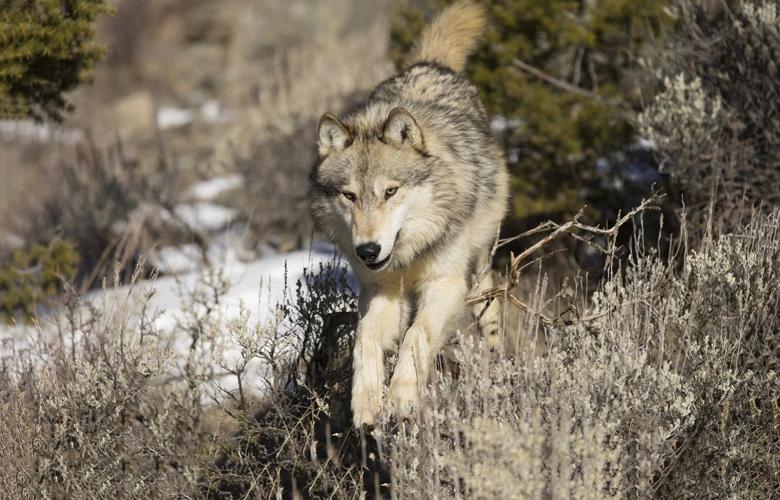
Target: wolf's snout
[368, 252]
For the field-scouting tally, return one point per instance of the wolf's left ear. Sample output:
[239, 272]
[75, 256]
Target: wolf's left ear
[401, 128]
[332, 135]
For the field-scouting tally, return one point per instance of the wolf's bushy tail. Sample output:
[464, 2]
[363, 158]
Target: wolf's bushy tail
[452, 35]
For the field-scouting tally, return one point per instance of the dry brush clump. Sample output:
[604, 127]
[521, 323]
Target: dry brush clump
[670, 386]
[112, 207]
[299, 441]
[86, 413]
[715, 121]
[665, 383]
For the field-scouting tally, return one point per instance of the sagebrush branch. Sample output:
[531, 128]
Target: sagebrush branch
[556, 231]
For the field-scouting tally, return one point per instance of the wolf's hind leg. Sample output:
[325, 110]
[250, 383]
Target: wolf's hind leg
[438, 302]
[380, 323]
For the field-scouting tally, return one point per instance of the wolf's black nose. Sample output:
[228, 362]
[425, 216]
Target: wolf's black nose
[368, 252]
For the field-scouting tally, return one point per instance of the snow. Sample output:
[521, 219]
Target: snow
[177, 260]
[212, 112]
[10, 240]
[646, 143]
[245, 282]
[501, 123]
[255, 287]
[210, 189]
[170, 117]
[204, 216]
[173, 117]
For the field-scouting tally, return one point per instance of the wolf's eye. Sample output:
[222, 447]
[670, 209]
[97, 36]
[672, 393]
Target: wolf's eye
[390, 192]
[350, 196]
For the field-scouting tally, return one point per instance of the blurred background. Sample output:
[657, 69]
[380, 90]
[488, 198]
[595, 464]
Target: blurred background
[162, 126]
[153, 128]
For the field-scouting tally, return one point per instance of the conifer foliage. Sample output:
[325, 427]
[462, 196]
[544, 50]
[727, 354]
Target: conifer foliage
[47, 47]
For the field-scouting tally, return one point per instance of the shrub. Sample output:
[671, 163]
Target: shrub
[33, 275]
[301, 440]
[47, 47]
[714, 124]
[665, 382]
[87, 412]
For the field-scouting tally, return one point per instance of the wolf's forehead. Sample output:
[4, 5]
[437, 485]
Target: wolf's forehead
[367, 164]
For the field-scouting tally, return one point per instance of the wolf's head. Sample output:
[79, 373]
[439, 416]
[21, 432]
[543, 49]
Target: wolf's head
[373, 191]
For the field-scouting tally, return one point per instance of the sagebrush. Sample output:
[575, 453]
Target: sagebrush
[653, 390]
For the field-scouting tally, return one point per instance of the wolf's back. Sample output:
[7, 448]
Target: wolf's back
[452, 35]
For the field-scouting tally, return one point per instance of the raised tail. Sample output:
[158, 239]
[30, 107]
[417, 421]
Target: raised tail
[452, 36]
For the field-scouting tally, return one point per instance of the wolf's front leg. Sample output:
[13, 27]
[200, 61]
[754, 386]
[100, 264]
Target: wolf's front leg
[380, 324]
[439, 301]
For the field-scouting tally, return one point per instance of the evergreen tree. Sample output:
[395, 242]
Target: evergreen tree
[47, 47]
[31, 276]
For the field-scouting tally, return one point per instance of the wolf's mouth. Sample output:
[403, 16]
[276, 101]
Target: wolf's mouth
[376, 266]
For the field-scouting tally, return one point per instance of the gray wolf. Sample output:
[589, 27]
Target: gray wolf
[412, 187]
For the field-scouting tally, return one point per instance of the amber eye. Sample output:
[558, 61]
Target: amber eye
[350, 196]
[390, 192]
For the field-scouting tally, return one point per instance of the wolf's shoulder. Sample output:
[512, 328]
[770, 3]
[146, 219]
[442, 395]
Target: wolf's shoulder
[427, 82]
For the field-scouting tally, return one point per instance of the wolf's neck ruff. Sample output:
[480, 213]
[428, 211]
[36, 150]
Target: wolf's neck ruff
[412, 187]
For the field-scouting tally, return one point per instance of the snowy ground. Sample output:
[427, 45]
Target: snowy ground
[255, 286]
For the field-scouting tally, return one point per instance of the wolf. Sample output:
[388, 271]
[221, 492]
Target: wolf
[412, 187]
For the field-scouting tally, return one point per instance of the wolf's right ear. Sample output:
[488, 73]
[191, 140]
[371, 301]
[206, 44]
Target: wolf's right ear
[332, 135]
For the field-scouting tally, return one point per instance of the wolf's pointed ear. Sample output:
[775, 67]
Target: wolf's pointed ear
[332, 135]
[401, 128]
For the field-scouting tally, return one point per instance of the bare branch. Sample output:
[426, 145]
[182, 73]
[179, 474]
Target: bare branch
[555, 81]
[518, 263]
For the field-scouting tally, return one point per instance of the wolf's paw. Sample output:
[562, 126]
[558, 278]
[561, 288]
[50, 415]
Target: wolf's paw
[366, 402]
[404, 396]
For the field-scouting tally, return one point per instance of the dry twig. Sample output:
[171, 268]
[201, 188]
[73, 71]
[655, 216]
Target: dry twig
[555, 231]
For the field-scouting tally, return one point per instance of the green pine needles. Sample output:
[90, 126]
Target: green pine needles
[47, 48]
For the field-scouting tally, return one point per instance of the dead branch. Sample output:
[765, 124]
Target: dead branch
[556, 231]
[555, 81]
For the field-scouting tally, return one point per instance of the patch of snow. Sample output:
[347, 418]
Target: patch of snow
[177, 260]
[204, 216]
[245, 281]
[170, 117]
[213, 112]
[254, 289]
[210, 112]
[10, 240]
[211, 188]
